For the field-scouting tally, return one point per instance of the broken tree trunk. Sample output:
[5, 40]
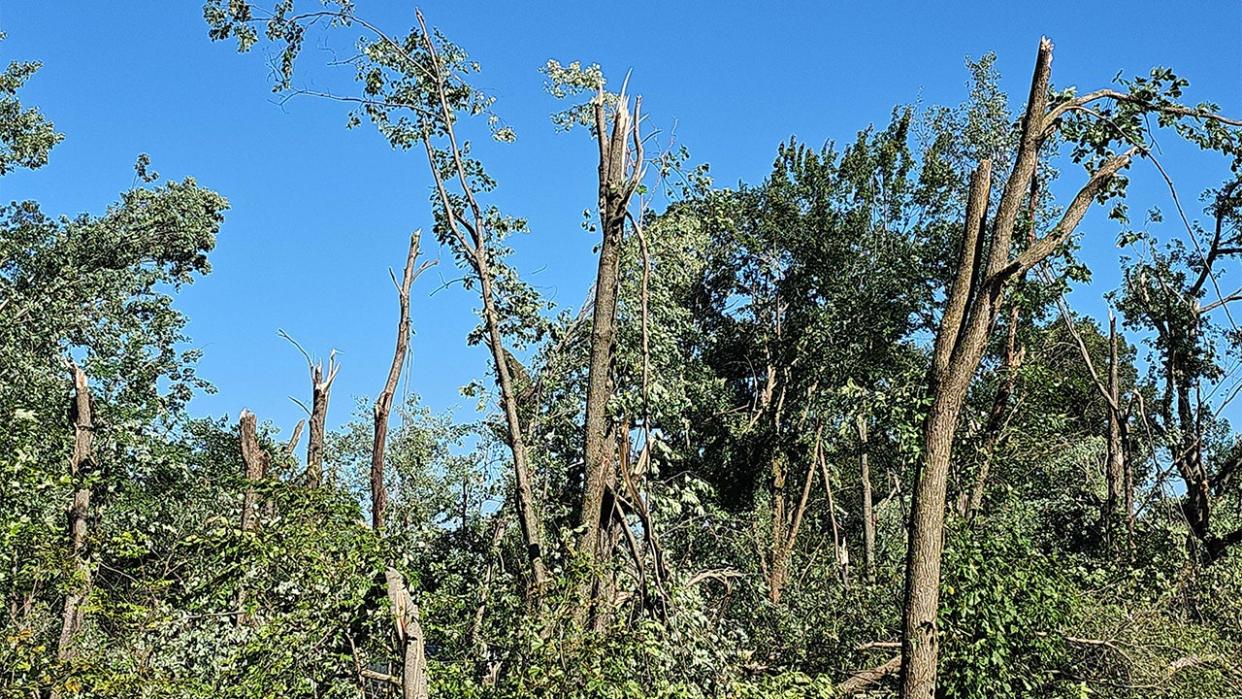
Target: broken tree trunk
[961, 339]
[256, 463]
[410, 637]
[80, 462]
[618, 179]
[383, 404]
[321, 390]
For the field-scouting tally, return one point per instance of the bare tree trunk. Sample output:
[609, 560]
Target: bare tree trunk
[409, 632]
[960, 342]
[256, 463]
[618, 178]
[321, 390]
[383, 404]
[80, 463]
[868, 515]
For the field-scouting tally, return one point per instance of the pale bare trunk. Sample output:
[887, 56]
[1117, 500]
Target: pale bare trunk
[80, 463]
[383, 404]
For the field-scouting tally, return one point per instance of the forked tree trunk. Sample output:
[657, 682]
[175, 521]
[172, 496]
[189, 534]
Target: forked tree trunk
[80, 463]
[383, 404]
[960, 342]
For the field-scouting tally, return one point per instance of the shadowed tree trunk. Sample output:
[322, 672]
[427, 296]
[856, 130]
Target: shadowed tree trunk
[868, 515]
[1115, 469]
[383, 404]
[80, 463]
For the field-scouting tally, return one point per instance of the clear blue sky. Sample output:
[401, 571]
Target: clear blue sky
[319, 213]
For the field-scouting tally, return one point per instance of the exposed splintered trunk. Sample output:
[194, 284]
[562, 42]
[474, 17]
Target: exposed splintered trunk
[618, 178]
[321, 391]
[255, 460]
[868, 516]
[961, 339]
[80, 463]
[383, 404]
[470, 240]
[1115, 469]
[409, 631]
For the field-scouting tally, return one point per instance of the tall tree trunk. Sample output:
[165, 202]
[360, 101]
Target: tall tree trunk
[80, 464]
[960, 342]
[1115, 469]
[383, 404]
[472, 245]
[868, 516]
[618, 179]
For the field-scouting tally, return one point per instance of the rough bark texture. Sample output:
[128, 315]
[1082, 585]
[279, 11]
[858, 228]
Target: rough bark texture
[383, 404]
[472, 244]
[321, 391]
[409, 632]
[960, 342]
[80, 462]
[618, 178]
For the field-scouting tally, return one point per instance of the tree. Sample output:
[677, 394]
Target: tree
[986, 267]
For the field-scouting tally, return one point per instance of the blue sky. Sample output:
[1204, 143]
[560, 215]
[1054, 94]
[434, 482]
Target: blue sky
[319, 212]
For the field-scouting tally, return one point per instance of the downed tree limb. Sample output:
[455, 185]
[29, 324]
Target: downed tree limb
[866, 678]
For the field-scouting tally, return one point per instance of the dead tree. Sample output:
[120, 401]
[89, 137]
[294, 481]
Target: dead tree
[256, 462]
[321, 391]
[81, 462]
[619, 176]
[409, 631]
[985, 268]
[383, 404]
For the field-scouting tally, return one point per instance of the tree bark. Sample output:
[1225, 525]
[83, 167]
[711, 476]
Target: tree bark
[618, 179]
[960, 343]
[868, 515]
[383, 404]
[472, 245]
[80, 464]
[409, 632]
